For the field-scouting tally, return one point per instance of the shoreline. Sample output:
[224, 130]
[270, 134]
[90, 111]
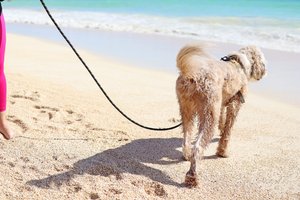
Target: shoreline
[159, 52]
[274, 32]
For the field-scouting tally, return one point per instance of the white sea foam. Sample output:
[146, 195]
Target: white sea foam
[268, 33]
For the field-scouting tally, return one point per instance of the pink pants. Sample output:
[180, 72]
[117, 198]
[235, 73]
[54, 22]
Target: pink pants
[2, 75]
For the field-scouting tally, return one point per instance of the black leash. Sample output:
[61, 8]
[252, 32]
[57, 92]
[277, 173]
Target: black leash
[98, 84]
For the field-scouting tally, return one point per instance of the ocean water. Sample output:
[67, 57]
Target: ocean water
[270, 24]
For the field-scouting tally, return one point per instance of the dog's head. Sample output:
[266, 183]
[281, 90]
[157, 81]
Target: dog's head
[252, 60]
[256, 58]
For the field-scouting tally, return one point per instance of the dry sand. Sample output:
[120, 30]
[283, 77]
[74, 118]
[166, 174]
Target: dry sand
[73, 145]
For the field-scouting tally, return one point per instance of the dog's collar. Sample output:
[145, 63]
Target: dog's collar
[228, 58]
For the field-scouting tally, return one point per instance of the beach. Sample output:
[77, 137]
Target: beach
[71, 142]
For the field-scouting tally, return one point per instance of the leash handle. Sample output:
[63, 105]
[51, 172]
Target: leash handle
[96, 81]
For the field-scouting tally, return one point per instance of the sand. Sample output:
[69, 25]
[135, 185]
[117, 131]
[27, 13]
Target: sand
[72, 144]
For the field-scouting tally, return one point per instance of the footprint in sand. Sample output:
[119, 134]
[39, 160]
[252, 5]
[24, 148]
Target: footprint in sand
[94, 196]
[72, 117]
[76, 117]
[32, 96]
[66, 116]
[115, 191]
[155, 189]
[151, 188]
[49, 111]
[47, 108]
[18, 122]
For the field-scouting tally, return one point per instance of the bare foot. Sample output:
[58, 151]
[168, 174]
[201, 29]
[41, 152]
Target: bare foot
[4, 127]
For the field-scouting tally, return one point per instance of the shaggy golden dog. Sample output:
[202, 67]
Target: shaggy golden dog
[212, 90]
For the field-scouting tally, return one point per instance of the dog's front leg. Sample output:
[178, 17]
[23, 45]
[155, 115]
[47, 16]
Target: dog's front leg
[222, 119]
[233, 108]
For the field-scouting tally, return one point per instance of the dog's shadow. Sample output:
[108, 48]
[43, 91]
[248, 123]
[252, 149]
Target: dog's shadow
[130, 158]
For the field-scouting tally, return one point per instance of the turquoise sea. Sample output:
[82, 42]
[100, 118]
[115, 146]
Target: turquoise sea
[287, 9]
[273, 24]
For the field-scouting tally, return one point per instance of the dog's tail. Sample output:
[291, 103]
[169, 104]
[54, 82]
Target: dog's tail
[185, 57]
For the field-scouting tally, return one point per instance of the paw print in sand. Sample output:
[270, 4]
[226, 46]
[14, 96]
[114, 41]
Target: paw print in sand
[18, 122]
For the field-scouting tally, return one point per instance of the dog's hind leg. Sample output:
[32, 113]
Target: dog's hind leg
[233, 108]
[209, 118]
[187, 112]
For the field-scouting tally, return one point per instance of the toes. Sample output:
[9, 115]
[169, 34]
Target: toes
[4, 136]
[7, 136]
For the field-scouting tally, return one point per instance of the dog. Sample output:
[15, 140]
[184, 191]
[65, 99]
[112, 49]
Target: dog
[212, 91]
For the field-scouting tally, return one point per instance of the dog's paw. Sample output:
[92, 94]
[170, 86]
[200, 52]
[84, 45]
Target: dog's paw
[191, 179]
[222, 154]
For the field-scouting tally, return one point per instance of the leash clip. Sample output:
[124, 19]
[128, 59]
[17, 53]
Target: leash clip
[225, 58]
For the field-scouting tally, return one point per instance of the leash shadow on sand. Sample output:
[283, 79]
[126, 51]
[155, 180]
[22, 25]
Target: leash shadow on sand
[133, 158]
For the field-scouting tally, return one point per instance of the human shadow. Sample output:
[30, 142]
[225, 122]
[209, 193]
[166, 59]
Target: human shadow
[130, 158]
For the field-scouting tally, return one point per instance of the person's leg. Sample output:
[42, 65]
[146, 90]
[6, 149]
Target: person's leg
[4, 128]
[2, 75]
